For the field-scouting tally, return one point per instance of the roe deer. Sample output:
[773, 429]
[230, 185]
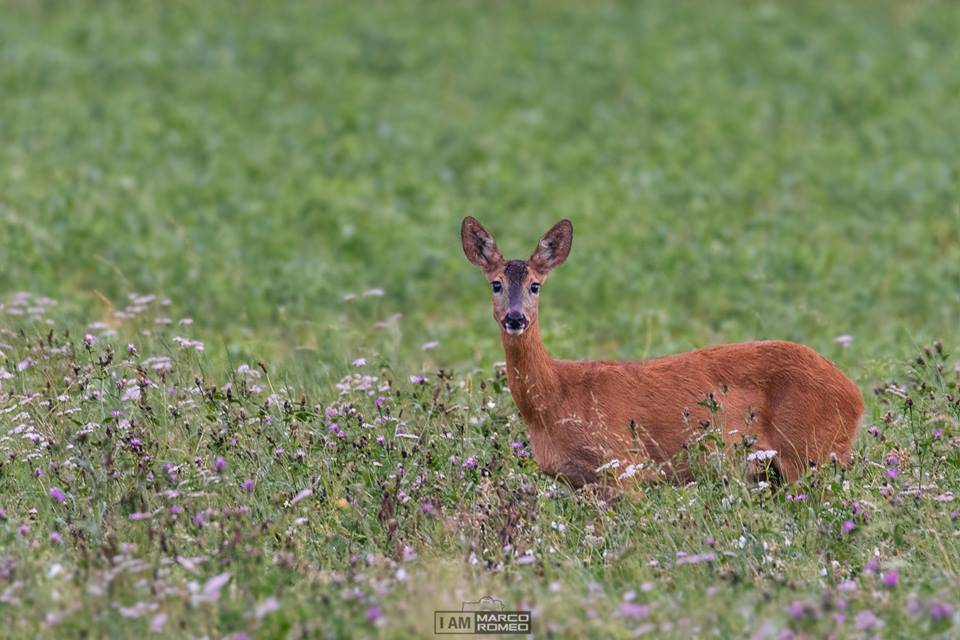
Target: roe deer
[580, 414]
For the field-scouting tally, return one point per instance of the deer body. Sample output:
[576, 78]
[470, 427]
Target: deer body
[783, 395]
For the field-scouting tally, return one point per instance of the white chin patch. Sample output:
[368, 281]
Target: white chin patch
[515, 332]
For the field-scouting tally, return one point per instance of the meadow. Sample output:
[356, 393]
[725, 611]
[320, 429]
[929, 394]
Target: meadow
[249, 384]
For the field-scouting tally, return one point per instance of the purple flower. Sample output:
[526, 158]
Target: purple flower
[940, 611]
[634, 610]
[867, 620]
[381, 440]
[57, 494]
[849, 526]
[893, 461]
[893, 472]
[937, 433]
[797, 497]
[469, 463]
[139, 515]
[891, 578]
[88, 340]
[247, 485]
[872, 566]
[55, 538]
[844, 340]
[874, 431]
[23, 529]
[219, 464]
[799, 610]
[374, 613]
[379, 402]
[131, 349]
[417, 379]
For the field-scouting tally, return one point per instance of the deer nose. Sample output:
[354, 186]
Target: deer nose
[514, 321]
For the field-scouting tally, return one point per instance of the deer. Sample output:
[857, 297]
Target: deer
[795, 407]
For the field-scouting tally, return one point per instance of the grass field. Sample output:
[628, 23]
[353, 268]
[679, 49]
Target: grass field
[219, 185]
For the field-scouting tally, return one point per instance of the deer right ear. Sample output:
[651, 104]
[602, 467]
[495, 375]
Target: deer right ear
[479, 246]
[553, 248]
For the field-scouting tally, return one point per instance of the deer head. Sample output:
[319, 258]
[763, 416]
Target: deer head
[515, 283]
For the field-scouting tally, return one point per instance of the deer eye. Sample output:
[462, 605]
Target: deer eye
[535, 288]
[497, 287]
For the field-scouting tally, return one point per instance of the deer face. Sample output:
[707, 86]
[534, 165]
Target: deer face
[515, 284]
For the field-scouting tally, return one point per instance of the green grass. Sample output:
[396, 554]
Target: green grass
[733, 171]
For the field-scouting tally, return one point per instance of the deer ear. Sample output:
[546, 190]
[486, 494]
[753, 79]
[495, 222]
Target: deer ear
[479, 246]
[554, 247]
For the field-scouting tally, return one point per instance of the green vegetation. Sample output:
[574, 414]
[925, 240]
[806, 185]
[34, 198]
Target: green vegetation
[733, 171]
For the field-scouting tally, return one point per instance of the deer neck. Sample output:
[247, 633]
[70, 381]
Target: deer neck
[531, 374]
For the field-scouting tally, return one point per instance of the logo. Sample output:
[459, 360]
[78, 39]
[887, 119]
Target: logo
[485, 616]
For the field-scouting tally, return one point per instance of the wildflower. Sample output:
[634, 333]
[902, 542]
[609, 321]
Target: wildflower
[799, 610]
[797, 497]
[427, 346]
[696, 558]
[247, 485]
[266, 607]
[766, 454]
[417, 379]
[219, 464]
[849, 526]
[139, 515]
[23, 530]
[380, 440]
[304, 493]
[634, 610]
[211, 589]
[613, 464]
[469, 463]
[157, 622]
[55, 538]
[844, 341]
[874, 431]
[131, 349]
[893, 472]
[360, 362]
[937, 433]
[379, 402]
[872, 566]
[57, 494]
[88, 340]
[374, 614]
[867, 620]
[891, 578]
[940, 611]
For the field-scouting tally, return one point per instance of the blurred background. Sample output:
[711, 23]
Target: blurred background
[773, 171]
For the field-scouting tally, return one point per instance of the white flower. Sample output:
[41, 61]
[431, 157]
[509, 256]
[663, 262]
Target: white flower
[765, 454]
[629, 472]
[844, 340]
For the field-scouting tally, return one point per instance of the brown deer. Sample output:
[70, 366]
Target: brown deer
[780, 396]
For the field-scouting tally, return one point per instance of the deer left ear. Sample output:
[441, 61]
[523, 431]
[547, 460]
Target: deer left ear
[479, 246]
[554, 247]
